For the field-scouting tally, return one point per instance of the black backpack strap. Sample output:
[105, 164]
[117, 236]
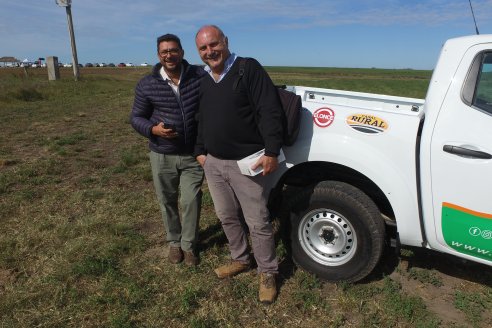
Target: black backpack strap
[242, 65]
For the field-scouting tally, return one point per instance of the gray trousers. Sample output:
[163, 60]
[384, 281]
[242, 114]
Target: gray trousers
[178, 175]
[235, 197]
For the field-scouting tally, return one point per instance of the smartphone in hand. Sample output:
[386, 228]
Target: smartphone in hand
[169, 126]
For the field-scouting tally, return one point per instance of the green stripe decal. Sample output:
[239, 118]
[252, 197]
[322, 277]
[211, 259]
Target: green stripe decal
[467, 232]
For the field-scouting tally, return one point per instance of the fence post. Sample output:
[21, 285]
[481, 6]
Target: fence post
[53, 69]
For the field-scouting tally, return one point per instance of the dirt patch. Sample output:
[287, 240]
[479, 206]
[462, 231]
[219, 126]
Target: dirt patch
[7, 277]
[160, 253]
[444, 277]
[438, 300]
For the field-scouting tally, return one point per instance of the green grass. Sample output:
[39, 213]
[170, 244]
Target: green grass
[473, 304]
[409, 83]
[82, 239]
[425, 276]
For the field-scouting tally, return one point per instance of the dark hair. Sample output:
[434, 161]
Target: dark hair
[168, 37]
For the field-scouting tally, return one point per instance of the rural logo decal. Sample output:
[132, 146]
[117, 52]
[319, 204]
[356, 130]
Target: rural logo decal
[323, 117]
[467, 231]
[367, 123]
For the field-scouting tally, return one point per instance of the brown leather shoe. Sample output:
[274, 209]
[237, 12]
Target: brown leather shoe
[231, 269]
[268, 288]
[175, 255]
[190, 259]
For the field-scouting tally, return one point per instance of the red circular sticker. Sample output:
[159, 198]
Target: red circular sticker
[323, 117]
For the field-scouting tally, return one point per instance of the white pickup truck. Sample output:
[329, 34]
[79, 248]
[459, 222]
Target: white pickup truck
[370, 168]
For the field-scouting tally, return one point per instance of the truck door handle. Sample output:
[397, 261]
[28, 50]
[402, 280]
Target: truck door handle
[466, 152]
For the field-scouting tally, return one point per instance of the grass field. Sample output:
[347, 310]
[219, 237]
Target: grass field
[82, 242]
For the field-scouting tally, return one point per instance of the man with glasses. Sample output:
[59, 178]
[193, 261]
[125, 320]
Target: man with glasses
[164, 111]
[239, 116]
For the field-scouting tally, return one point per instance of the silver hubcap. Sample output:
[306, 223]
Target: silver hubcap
[327, 237]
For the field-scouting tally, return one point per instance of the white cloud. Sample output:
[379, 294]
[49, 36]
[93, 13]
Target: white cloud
[130, 27]
[108, 18]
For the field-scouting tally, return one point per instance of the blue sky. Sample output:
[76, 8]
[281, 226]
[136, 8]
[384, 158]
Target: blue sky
[322, 33]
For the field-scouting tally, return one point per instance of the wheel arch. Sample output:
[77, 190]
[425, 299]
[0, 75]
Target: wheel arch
[309, 173]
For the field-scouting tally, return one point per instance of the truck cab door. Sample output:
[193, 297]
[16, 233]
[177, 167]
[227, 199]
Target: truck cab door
[461, 164]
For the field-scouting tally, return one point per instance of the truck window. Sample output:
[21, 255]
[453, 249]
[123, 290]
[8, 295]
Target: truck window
[483, 92]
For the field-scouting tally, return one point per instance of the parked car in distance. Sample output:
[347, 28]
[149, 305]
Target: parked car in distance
[129, 65]
[111, 65]
[67, 65]
[89, 65]
[144, 64]
[121, 65]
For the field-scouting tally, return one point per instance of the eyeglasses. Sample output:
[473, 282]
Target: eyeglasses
[172, 51]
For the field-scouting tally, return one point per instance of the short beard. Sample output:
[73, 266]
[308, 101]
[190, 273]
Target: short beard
[175, 69]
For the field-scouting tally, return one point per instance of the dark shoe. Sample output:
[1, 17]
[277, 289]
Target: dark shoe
[268, 288]
[175, 255]
[231, 269]
[190, 258]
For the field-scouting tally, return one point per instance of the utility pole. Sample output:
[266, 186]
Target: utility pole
[75, 63]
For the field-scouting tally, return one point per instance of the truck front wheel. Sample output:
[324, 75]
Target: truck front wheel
[337, 231]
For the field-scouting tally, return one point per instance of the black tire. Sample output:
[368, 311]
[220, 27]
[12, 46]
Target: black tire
[337, 231]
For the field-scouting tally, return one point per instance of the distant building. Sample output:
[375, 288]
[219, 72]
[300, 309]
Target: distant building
[9, 61]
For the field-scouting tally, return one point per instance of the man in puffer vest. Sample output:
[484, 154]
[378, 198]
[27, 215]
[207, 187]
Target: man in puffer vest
[164, 111]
